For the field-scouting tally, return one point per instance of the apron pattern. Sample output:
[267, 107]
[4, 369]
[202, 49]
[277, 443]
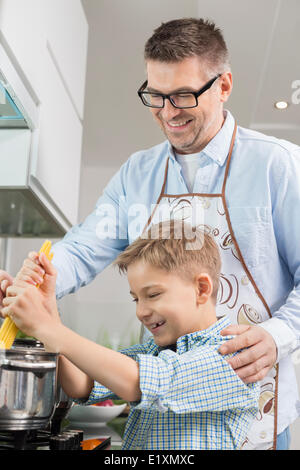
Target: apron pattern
[238, 296]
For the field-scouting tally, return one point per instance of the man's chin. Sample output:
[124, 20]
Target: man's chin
[180, 146]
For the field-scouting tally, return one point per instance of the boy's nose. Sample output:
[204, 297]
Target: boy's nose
[142, 311]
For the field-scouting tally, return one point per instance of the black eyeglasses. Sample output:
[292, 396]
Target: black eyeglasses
[182, 100]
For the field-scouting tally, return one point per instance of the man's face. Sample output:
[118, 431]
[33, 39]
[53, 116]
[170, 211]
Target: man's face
[165, 303]
[188, 130]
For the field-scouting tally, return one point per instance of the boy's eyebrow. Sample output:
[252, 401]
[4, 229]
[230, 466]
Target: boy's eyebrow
[145, 288]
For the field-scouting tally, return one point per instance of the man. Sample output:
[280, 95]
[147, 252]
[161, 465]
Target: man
[247, 186]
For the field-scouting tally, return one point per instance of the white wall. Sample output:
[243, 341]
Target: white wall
[104, 307]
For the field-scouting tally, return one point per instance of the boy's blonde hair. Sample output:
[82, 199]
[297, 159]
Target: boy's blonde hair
[175, 246]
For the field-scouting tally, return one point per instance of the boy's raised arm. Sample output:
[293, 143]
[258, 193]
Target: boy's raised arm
[35, 313]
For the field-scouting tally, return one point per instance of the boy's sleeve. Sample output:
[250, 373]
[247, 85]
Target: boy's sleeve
[100, 392]
[196, 381]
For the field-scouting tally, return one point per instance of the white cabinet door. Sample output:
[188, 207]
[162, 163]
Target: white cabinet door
[58, 162]
[46, 41]
[67, 39]
[33, 29]
[23, 36]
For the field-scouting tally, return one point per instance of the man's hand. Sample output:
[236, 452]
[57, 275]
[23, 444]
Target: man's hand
[252, 364]
[5, 281]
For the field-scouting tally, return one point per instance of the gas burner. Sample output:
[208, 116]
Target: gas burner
[45, 440]
[39, 439]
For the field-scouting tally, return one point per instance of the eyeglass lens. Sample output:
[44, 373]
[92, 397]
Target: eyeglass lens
[187, 100]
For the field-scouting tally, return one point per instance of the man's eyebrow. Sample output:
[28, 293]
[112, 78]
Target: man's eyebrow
[178, 90]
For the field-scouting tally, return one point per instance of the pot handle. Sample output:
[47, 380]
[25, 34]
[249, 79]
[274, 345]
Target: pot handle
[35, 367]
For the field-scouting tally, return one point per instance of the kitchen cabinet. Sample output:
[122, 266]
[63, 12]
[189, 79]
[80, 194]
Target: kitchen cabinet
[67, 38]
[35, 29]
[59, 161]
[45, 44]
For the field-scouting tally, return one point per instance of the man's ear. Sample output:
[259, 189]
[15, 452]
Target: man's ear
[204, 288]
[226, 86]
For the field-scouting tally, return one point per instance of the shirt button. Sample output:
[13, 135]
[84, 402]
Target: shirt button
[263, 435]
[245, 281]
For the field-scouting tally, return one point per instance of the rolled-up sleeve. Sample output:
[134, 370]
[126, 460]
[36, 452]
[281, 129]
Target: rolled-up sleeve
[100, 392]
[197, 381]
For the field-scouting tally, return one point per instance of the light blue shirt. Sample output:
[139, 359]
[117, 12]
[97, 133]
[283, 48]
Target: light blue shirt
[191, 398]
[263, 198]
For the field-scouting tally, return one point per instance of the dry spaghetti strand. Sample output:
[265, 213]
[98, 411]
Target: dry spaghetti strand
[9, 330]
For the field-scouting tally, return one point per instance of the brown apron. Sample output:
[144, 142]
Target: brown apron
[238, 297]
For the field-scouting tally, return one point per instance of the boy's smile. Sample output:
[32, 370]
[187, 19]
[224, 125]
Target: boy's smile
[166, 303]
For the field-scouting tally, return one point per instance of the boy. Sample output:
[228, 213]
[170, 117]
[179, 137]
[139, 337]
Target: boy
[183, 393]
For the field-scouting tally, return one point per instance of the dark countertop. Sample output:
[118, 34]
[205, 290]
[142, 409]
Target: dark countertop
[113, 429]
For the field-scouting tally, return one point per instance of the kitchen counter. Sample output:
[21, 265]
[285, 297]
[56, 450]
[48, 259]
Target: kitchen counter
[118, 426]
[114, 429]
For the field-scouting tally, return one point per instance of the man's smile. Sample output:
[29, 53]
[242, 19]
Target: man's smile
[176, 126]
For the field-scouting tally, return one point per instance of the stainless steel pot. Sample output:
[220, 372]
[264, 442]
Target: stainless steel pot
[63, 406]
[28, 387]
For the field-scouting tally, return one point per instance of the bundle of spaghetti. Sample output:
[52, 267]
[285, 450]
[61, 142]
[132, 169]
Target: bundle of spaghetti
[9, 330]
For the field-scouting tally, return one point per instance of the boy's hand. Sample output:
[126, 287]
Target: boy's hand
[24, 305]
[5, 281]
[27, 306]
[38, 270]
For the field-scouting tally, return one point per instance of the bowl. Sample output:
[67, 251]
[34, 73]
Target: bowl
[91, 415]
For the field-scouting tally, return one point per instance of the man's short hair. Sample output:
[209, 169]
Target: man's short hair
[174, 246]
[186, 37]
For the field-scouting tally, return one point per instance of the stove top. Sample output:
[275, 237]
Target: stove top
[46, 440]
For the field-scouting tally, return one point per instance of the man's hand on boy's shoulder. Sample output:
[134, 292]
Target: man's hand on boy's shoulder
[259, 351]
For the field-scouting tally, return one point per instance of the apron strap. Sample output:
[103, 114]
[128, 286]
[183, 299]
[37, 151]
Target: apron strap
[229, 159]
[163, 189]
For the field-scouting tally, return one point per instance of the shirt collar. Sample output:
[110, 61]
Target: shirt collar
[209, 335]
[218, 147]
[185, 343]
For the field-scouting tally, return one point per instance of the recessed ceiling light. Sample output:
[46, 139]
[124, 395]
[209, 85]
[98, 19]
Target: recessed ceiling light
[281, 105]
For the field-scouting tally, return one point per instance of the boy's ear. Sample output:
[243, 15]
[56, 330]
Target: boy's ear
[204, 288]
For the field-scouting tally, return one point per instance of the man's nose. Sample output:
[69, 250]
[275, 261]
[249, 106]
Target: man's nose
[169, 111]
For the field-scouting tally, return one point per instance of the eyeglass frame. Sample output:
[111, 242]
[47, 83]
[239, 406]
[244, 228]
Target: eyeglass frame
[196, 94]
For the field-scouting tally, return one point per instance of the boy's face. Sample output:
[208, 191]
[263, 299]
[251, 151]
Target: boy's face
[165, 303]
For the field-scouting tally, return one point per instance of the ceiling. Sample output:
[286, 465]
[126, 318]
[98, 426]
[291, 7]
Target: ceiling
[263, 37]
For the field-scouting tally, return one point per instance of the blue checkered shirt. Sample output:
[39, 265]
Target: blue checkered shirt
[191, 398]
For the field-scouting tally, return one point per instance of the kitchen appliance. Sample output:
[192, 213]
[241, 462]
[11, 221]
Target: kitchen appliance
[32, 404]
[26, 208]
[27, 387]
